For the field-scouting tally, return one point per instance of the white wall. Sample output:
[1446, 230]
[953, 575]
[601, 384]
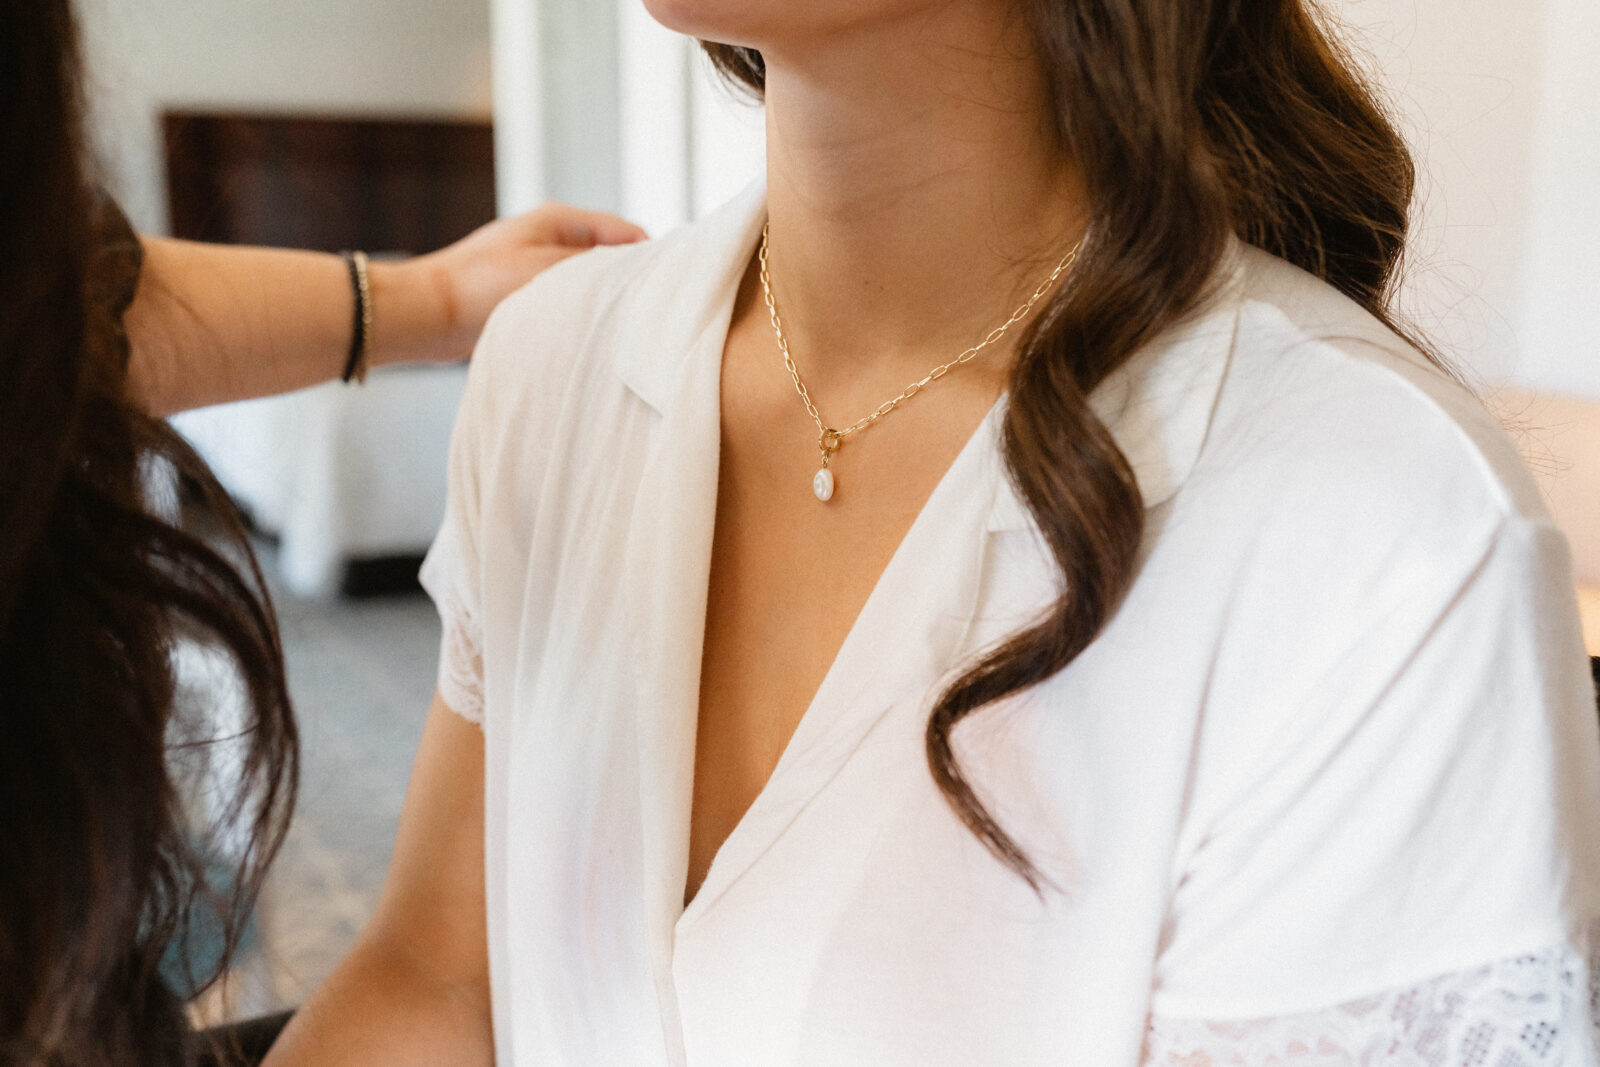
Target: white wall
[414, 57]
[557, 110]
[729, 136]
[689, 141]
[1560, 309]
[655, 68]
[1500, 102]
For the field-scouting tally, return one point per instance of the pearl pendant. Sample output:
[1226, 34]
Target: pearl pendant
[822, 485]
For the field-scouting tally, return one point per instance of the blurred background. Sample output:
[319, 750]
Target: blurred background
[399, 125]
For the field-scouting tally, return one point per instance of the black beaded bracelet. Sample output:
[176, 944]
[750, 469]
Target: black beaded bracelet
[355, 366]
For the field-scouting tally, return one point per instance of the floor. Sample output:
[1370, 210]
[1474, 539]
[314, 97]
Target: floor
[361, 672]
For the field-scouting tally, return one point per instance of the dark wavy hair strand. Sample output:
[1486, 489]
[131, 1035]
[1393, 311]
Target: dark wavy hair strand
[101, 864]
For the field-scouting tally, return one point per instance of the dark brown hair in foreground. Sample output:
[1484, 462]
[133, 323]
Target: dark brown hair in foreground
[1191, 120]
[100, 867]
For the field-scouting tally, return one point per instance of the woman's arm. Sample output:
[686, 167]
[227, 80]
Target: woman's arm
[415, 989]
[213, 323]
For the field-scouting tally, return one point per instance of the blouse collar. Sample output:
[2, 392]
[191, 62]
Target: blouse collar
[1158, 405]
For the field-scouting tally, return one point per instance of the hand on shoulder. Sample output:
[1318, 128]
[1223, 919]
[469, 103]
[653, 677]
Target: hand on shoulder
[465, 280]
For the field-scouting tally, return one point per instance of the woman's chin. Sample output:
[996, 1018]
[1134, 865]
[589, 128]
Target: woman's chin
[759, 23]
[712, 20]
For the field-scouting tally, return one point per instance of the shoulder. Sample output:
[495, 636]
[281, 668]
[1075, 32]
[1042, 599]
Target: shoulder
[1328, 419]
[614, 315]
[1346, 484]
[543, 331]
[563, 302]
[1382, 617]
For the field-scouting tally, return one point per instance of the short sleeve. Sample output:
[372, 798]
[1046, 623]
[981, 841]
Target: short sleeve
[446, 575]
[452, 572]
[1537, 1009]
[1413, 860]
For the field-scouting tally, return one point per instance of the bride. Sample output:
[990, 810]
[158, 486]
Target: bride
[1003, 591]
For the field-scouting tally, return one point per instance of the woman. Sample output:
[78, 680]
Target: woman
[98, 873]
[1189, 676]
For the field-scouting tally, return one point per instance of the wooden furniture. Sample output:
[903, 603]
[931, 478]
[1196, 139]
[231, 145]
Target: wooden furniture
[384, 185]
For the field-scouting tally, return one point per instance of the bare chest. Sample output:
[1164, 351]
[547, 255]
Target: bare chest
[790, 574]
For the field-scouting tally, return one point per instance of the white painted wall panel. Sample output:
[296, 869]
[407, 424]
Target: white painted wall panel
[1560, 306]
[519, 106]
[689, 142]
[729, 137]
[654, 73]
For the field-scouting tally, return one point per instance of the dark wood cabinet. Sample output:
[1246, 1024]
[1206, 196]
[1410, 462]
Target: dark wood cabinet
[327, 183]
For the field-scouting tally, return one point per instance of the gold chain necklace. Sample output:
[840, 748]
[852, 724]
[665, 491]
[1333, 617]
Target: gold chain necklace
[829, 439]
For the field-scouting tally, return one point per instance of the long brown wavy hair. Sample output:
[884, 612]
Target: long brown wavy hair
[102, 868]
[1190, 121]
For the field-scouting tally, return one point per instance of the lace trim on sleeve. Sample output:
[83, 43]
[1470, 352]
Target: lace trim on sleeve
[461, 660]
[1538, 1010]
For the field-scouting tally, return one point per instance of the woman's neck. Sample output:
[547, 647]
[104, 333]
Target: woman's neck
[917, 193]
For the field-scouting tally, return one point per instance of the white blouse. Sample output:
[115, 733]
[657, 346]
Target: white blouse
[1326, 790]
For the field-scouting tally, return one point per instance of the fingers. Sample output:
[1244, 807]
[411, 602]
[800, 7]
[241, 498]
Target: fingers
[563, 224]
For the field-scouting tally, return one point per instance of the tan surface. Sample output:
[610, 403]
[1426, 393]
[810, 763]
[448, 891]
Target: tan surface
[1589, 608]
[1559, 439]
